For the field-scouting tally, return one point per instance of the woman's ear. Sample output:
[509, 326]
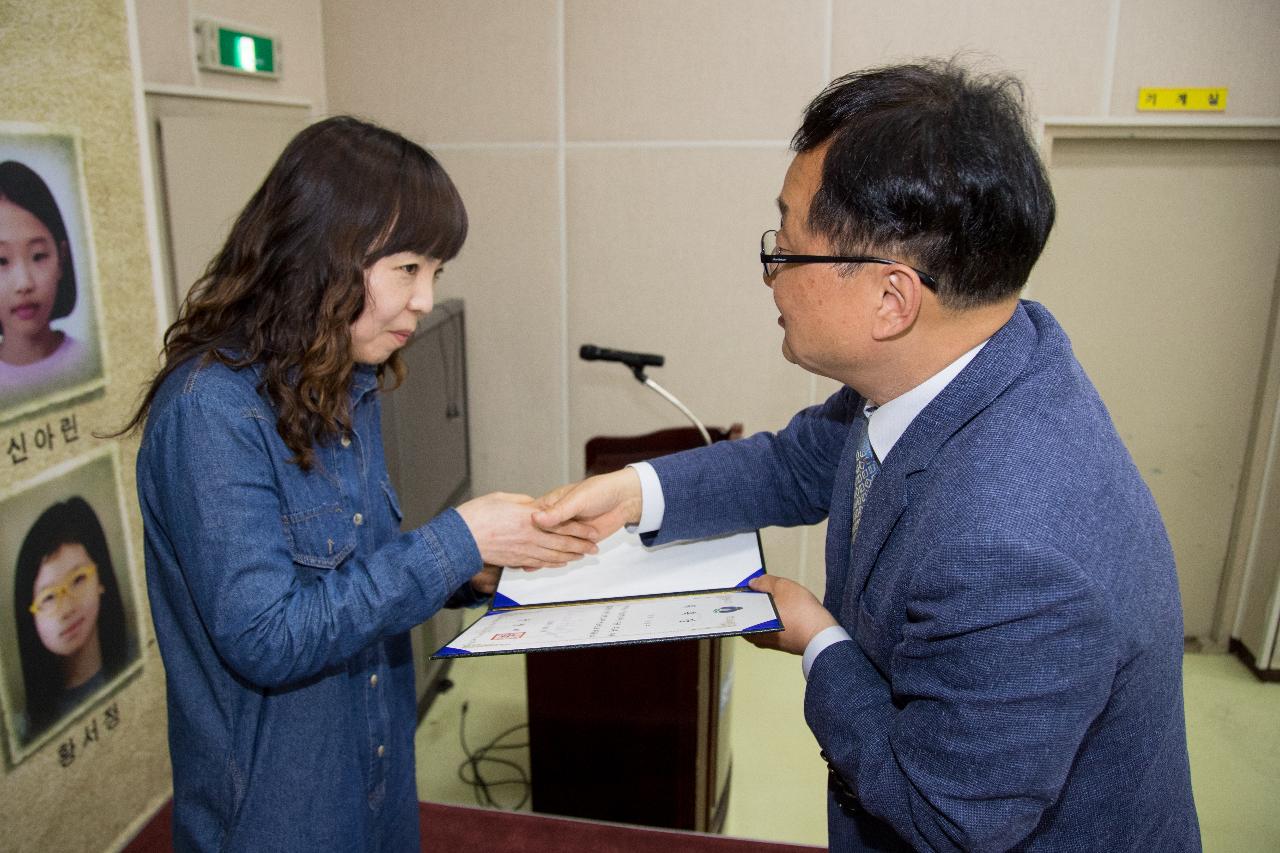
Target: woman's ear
[900, 296]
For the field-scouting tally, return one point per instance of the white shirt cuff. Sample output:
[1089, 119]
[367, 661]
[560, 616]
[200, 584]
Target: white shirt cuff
[825, 637]
[653, 504]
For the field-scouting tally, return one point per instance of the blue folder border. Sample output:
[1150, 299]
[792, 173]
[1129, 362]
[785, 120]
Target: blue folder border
[502, 603]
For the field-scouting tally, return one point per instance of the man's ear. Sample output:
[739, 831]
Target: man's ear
[900, 295]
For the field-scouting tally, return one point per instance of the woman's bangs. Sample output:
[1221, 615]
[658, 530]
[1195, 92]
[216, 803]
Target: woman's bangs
[429, 218]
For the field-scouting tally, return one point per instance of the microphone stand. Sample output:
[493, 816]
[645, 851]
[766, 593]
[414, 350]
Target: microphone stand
[637, 361]
[643, 379]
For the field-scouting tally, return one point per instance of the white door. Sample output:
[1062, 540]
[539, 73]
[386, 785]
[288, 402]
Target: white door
[210, 168]
[1162, 270]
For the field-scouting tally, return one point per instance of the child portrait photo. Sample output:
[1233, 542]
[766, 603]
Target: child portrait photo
[50, 342]
[69, 621]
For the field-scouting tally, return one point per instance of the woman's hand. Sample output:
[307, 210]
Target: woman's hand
[485, 581]
[502, 525]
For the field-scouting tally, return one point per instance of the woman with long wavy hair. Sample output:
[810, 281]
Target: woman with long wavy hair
[281, 586]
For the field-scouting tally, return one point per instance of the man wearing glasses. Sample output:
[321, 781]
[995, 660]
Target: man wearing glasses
[997, 660]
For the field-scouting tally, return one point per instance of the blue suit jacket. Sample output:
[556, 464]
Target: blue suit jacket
[1015, 675]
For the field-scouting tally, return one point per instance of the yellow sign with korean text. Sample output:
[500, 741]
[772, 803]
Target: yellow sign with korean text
[1183, 100]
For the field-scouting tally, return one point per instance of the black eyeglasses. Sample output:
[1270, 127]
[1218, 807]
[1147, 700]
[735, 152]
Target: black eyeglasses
[773, 260]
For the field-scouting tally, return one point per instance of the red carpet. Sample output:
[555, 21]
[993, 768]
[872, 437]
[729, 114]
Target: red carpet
[461, 829]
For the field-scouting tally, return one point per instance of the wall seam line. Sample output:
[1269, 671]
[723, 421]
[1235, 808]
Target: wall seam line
[562, 191]
[1109, 61]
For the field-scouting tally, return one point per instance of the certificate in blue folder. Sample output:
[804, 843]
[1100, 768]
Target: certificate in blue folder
[626, 593]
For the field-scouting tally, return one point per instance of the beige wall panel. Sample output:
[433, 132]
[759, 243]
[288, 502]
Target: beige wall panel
[690, 69]
[447, 70]
[90, 89]
[798, 553]
[165, 40]
[1161, 270]
[166, 45]
[663, 257]
[783, 552]
[1058, 49]
[1170, 43]
[509, 275]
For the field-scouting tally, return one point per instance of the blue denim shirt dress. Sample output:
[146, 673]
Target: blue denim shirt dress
[281, 601]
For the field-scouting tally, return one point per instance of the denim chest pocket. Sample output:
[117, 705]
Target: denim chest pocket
[321, 537]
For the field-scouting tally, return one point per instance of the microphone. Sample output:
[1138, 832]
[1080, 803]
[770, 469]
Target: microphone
[634, 360]
[638, 361]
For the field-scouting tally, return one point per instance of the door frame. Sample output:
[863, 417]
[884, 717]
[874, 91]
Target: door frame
[1253, 512]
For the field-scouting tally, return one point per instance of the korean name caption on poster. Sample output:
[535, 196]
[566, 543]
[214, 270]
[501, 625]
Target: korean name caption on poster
[42, 438]
[90, 733]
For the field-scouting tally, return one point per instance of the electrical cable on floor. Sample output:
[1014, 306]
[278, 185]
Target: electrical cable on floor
[478, 781]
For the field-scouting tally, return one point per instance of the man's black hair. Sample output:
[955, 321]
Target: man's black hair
[935, 165]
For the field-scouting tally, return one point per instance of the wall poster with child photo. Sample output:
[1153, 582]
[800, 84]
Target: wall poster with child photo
[68, 614]
[50, 341]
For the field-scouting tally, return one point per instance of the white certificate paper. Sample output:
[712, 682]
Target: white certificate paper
[618, 622]
[623, 568]
[626, 593]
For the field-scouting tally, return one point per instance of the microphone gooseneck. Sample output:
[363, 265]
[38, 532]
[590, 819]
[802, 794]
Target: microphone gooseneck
[638, 361]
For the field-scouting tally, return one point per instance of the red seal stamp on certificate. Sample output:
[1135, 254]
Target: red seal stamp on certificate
[509, 635]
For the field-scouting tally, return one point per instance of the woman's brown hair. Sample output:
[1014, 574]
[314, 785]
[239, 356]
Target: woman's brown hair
[290, 280]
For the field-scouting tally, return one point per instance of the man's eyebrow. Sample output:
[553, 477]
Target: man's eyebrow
[782, 206]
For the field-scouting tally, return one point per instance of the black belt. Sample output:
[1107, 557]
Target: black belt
[841, 791]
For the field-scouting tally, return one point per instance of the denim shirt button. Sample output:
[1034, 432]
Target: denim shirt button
[357, 519]
[373, 680]
[382, 750]
[346, 441]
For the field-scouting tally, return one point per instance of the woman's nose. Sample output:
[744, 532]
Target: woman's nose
[423, 299]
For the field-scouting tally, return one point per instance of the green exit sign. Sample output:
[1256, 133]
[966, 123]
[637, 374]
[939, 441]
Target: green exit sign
[233, 48]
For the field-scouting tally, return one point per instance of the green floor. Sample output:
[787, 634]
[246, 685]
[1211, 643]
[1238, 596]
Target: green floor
[778, 790]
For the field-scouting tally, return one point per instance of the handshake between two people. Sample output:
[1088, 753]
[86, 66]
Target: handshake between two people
[566, 523]
[561, 526]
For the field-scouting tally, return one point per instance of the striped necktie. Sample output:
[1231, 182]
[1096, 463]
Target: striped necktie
[865, 472]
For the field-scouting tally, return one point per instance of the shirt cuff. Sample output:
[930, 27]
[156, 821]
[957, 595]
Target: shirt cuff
[653, 505]
[825, 637]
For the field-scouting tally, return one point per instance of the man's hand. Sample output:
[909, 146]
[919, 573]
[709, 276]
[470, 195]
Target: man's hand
[801, 612]
[503, 527]
[603, 503]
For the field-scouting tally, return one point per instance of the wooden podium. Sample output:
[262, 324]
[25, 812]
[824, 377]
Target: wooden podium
[636, 734]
